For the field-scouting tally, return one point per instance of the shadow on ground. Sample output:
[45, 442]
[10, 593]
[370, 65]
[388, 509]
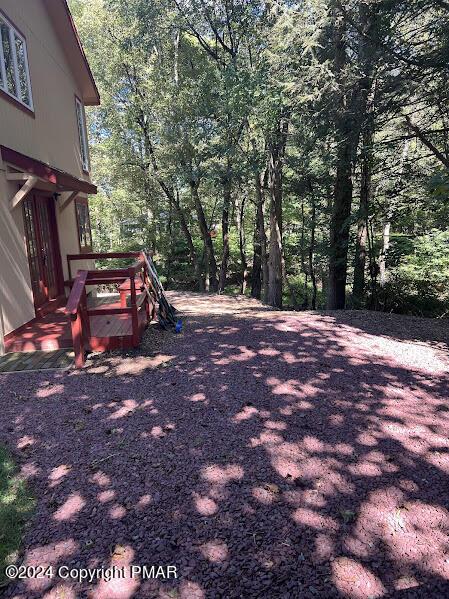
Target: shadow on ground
[265, 454]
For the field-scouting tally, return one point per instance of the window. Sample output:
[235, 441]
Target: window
[82, 134]
[14, 72]
[83, 221]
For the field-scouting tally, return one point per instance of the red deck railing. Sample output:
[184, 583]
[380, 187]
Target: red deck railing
[129, 278]
[100, 256]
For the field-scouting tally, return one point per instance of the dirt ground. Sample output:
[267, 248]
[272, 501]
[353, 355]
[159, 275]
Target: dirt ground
[262, 453]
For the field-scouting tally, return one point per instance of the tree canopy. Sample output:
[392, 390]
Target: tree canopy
[297, 151]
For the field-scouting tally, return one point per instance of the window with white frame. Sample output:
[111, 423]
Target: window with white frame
[82, 134]
[14, 71]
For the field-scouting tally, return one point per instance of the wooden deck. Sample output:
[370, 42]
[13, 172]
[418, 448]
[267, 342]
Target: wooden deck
[52, 331]
[106, 322]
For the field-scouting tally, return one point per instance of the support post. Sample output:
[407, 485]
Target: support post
[85, 316]
[23, 191]
[77, 336]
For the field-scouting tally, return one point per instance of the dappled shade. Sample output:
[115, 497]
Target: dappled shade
[273, 454]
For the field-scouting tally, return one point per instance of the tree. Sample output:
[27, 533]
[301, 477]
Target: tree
[233, 137]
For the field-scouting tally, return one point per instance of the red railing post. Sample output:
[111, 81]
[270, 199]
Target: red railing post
[85, 316]
[74, 309]
[78, 343]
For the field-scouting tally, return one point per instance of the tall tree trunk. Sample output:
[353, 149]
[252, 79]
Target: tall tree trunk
[312, 250]
[176, 57]
[366, 193]
[206, 271]
[342, 196]
[358, 289]
[303, 261]
[170, 195]
[351, 108]
[256, 275]
[170, 255]
[373, 266]
[241, 232]
[185, 229]
[339, 233]
[325, 271]
[386, 228]
[225, 231]
[259, 283]
[275, 265]
[275, 168]
[174, 201]
[211, 264]
[265, 275]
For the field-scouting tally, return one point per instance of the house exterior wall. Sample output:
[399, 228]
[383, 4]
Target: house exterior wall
[16, 297]
[51, 136]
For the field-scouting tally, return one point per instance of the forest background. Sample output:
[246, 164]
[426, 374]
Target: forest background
[294, 151]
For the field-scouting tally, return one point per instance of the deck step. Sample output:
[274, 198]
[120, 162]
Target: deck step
[37, 360]
[24, 345]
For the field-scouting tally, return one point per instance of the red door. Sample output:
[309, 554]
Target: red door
[43, 248]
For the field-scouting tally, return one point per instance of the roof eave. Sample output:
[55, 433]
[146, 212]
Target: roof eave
[62, 180]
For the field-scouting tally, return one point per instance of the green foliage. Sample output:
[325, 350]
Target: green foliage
[192, 93]
[439, 187]
[419, 276]
[15, 508]
[429, 260]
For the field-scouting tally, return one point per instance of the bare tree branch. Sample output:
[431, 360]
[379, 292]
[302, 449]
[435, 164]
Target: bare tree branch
[426, 141]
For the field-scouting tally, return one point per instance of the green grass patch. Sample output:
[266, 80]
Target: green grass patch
[16, 506]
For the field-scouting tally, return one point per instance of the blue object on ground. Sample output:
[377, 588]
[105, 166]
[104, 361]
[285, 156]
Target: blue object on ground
[178, 326]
